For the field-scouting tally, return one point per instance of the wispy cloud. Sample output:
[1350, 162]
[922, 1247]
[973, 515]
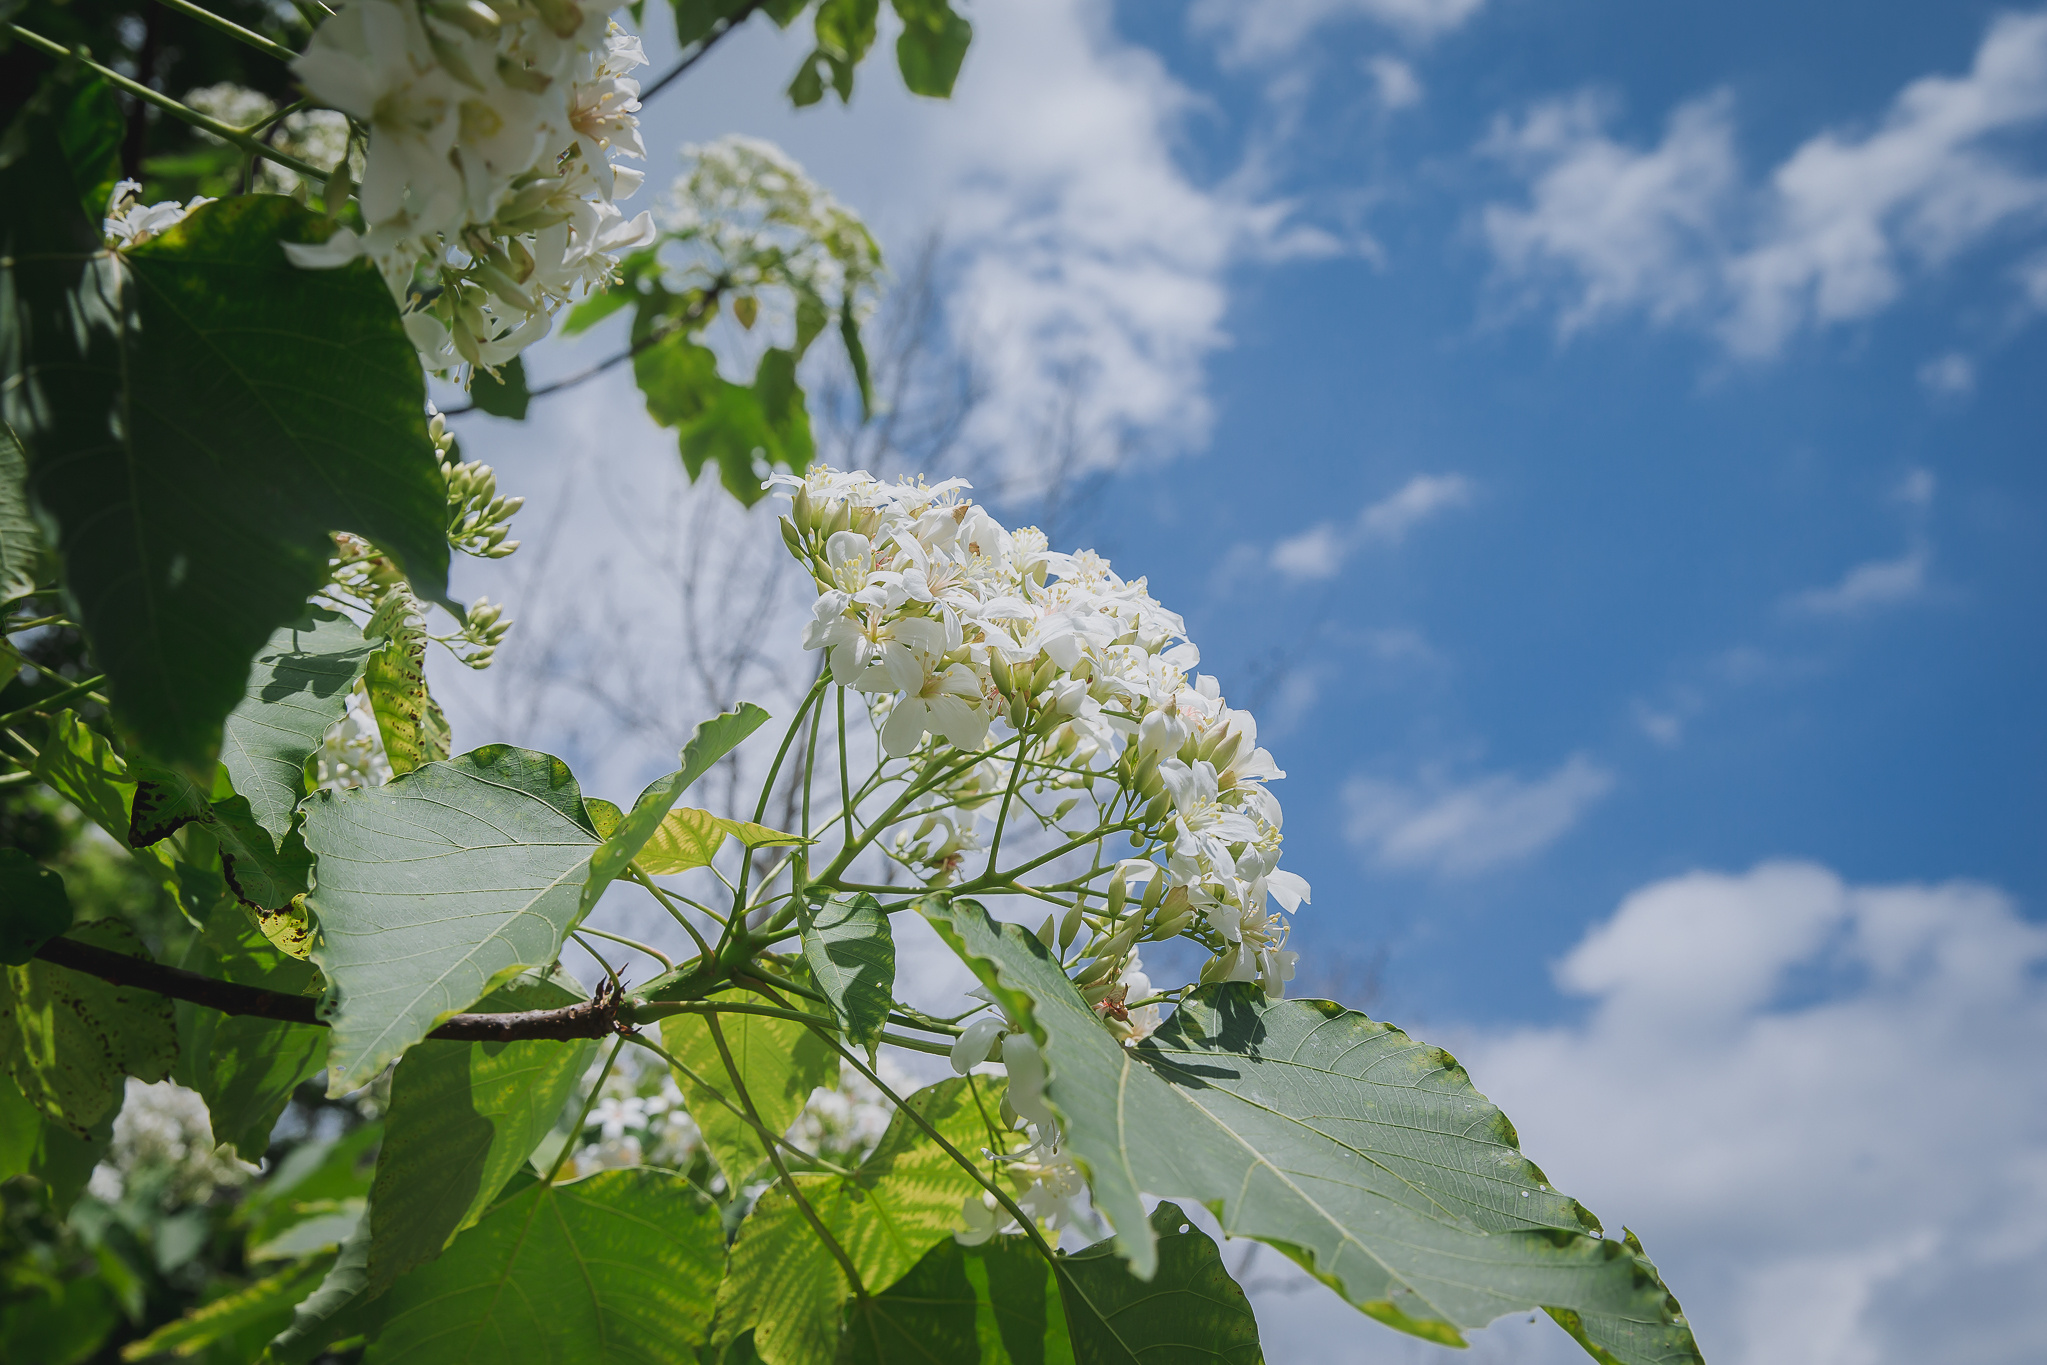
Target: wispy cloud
[1674, 233]
[1949, 376]
[1460, 829]
[1867, 586]
[1260, 30]
[1320, 551]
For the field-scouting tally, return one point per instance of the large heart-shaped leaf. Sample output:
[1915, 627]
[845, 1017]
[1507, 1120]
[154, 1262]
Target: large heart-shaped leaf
[199, 415]
[298, 686]
[34, 906]
[619, 1268]
[463, 1118]
[1365, 1155]
[437, 887]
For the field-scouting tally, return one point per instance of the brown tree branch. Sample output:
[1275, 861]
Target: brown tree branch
[596, 1017]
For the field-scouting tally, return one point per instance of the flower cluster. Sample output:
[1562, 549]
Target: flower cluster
[488, 193]
[130, 222]
[960, 629]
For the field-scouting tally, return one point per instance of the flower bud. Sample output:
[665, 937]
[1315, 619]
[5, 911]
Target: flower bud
[1119, 890]
[1069, 927]
[791, 538]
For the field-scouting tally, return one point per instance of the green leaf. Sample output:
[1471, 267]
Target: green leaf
[246, 1068]
[70, 1040]
[931, 47]
[41, 1148]
[33, 906]
[298, 687]
[927, 1316]
[779, 1061]
[1018, 1315]
[685, 839]
[463, 1118]
[694, 19]
[242, 1318]
[76, 762]
[619, 1268]
[738, 427]
[903, 1199]
[712, 740]
[604, 815]
[852, 957]
[408, 718]
[22, 554]
[437, 887]
[503, 395]
[337, 1308]
[1367, 1157]
[856, 355]
[678, 378]
[599, 306]
[199, 415]
[1189, 1311]
[262, 875]
[760, 836]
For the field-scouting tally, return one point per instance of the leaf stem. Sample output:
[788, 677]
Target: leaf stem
[649, 949]
[633, 873]
[224, 132]
[583, 1117]
[788, 1181]
[810, 1157]
[56, 698]
[231, 29]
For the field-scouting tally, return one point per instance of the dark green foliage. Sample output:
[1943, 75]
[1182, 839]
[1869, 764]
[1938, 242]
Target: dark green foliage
[1190, 1312]
[932, 45]
[71, 1040]
[503, 394]
[33, 906]
[463, 1118]
[191, 463]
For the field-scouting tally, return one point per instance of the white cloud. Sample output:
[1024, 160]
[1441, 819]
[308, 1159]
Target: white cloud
[1817, 1105]
[1878, 583]
[1458, 830]
[1258, 30]
[1319, 551]
[1673, 233]
[1949, 376]
[1399, 87]
[1084, 267]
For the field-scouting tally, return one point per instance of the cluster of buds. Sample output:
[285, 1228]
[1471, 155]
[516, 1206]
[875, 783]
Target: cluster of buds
[478, 519]
[484, 628]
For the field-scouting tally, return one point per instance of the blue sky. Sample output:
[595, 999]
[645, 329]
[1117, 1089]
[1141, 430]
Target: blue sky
[1598, 439]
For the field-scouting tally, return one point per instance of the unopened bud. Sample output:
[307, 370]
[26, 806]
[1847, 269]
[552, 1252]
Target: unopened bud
[1069, 927]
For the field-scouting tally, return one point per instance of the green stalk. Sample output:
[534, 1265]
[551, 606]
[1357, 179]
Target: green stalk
[231, 29]
[170, 106]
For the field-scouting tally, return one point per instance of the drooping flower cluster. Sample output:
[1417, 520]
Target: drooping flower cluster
[489, 192]
[960, 629]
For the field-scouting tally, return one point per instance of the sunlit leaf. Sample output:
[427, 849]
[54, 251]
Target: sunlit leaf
[409, 720]
[779, 1062]
[619, 1268]
[435, 888]
[712, 740]
[71, 1040]
[902, 1200]
[1361, 1153]
[297, 688]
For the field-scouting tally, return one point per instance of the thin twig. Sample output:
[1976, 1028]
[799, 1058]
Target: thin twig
[704, 46]
[232, 29]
